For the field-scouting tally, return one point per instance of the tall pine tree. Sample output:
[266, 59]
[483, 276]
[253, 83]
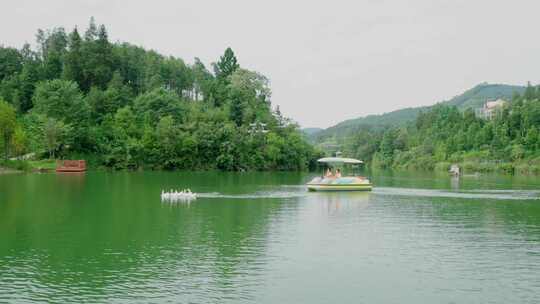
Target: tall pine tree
[73, 60]
[227, 64]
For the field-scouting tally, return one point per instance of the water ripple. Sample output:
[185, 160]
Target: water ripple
[279, 244]
[467, 194]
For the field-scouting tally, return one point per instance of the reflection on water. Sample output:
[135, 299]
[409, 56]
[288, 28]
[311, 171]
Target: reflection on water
[259, 237]
[341, 202]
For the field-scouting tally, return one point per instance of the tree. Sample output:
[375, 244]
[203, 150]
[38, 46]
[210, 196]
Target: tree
[250, 96]
[19, 88]
[124, 122]
[8, 123]
[63, 101]
[165, 131]
[253, 84]
[10, 62]
[19, 141]
[73, 60]
[59, 99]
[531, 140]
[280, 119]
[176, 76]
[32, 125]
[9, 89]
[128, 106]
[91, 32]
[158, 103]
[400, 142]
[118, 94]
[237, 109]
[202, 79]
[53, 47]
[126, 146]
[103, 58]
[530, 92]
[98, 64]
[226, 65]
[388, 142]
[27, 85]
[168, 141]
[54, 133]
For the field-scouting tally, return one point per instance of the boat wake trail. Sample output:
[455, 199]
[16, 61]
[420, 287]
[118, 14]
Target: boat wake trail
[286, 192]
[472, 194]
[256, 195]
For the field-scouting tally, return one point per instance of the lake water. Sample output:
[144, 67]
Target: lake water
[261, 238]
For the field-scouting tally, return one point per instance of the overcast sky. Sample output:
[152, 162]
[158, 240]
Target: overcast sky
[327, 60]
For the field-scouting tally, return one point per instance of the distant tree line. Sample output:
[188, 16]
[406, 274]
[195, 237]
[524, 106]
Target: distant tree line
[125, 107]
[443, 135]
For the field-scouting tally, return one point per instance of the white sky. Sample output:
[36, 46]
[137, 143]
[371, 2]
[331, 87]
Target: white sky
[327, 60]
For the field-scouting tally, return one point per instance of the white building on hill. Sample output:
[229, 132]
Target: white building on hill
[490, 109]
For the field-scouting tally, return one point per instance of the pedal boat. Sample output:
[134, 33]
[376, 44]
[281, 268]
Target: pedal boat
[345, 183]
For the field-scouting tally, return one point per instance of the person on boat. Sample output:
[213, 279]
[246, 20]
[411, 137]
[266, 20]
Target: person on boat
[328, 173]
[338, 173]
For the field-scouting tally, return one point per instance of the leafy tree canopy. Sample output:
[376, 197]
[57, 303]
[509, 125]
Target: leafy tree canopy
[126, 107]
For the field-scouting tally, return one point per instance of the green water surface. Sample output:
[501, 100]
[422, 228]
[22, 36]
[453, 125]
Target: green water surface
[104, 237]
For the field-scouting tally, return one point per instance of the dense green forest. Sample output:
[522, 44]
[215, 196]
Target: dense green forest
[121, 106]
[472, 98]
[444, 134]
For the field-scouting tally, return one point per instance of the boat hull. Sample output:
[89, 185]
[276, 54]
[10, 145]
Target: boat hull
[343, 187]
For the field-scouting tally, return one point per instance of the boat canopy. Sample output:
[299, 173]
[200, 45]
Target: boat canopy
[339, 160]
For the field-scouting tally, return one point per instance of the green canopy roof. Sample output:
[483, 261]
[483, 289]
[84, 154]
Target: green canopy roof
[340, 160]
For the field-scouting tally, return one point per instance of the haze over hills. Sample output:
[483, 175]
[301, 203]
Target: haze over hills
[311, 131]
[472, 98]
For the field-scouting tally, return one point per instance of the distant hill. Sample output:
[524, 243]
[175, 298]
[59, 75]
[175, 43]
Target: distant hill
[472, 98]
[311, 131]
[475, 97]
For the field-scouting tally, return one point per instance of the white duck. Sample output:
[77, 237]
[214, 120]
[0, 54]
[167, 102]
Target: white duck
[175, 195]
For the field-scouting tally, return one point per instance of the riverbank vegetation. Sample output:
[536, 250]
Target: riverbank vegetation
[121, 106]
[444, 135]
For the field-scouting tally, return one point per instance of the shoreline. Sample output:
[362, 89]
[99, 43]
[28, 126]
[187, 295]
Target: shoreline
[9, 171]
[470, 168]
[467, 168]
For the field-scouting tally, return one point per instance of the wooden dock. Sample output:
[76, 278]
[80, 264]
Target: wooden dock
[71, 166]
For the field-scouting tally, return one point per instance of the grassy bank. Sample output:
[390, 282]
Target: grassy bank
[479, 167]
[27, 165]
[4, 170]
[525, 167]
[8, 166]
[44, 164]
[470, 163]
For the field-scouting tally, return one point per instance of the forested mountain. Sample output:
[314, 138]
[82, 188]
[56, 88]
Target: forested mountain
[477, 96]
[311, 131]
[122, 106]
[472, 98]
[444, 134]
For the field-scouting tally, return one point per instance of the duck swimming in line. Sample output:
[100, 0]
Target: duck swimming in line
[174, 195]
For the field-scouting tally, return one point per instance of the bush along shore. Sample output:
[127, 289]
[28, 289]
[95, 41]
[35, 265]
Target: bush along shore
[121, 106]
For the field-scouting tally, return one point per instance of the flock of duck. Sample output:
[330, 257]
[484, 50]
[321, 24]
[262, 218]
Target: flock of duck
[178, 196]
